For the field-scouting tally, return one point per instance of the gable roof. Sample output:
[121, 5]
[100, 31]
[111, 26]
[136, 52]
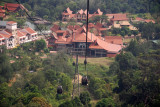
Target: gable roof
[55, 28]
[99, 12]
[2, 10]
[69, 11]
[11, 22]
[63, 40]
[149, 20]
[11, 7]
[1, 37]
[113, 48]
[30, 30]
[5, 34]
[81, 11]
[20, 34]
[2, 14]
[139, 19]
[73, 27]
[119, 17]
[114, 40]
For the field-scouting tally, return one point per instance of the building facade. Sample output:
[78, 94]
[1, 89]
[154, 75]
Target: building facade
[73, 39]
[13, 36]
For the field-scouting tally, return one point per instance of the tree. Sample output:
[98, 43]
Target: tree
[6, 70]
[4, 94]
[85, 98]
[126, 61]
[76, 102]
[38, 102]
[106, 102]
[148, 31]
[66, 104]
[39, 80]
[40, 45]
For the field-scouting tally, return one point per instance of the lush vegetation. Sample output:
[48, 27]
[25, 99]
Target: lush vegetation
[29, 74]
[52, 9]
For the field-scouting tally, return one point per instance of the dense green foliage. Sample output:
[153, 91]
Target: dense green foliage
[138, 77]
[6, 70]
[149, 31]
[122, 31]
[52, 9]
[27, 87]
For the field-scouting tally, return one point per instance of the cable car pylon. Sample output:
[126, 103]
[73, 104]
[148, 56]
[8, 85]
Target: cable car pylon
[76, 72]
[85, 78]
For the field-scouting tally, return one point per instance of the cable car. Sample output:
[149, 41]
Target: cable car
[59, 89]
[84, 80]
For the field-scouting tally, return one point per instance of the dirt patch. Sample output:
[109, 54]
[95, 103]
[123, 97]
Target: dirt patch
[13, 80]
[76, 79]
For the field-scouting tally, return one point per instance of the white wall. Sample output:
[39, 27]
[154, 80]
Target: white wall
[11, 26]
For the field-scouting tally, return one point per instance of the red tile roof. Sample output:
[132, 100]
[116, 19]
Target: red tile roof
[11, 22]
[69, 11]
[95, 45]
[90, 25]
[139, 19]
[114, 40]
[149, 20]
[111, 48]
[80, 38]
[75, 27]
[2, 15]
[63, 40]
[119, 17]
[60, 31]
[20, 34]
[98, 12]
[5, 34]
[81, 11]
[13, 7]
[55, 28]
[55, 36]
[1, 37]
[2, 10]
[30, 30]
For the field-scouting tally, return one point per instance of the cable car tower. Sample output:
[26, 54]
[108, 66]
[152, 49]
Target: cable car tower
[85, 78]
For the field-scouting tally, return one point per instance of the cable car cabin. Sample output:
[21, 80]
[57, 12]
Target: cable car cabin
[84, 80]
[59, 90]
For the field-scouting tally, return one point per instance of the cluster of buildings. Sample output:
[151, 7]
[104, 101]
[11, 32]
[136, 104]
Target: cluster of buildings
[81, 15]
[73, 39]
[117, 20]
[11, 36]
[10, 8]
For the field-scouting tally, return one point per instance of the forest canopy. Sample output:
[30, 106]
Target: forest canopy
[54, 8]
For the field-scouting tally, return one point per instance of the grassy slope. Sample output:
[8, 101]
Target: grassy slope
[97, 67]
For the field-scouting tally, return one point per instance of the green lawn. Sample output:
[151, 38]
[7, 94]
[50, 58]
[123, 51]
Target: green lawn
[104, 61]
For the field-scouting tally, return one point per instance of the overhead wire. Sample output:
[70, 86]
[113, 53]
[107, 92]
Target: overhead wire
[85, 61]
[30, 18]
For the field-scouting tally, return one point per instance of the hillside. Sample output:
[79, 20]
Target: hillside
[52, 9]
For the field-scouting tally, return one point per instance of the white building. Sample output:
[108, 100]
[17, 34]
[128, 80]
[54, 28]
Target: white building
[11, 36]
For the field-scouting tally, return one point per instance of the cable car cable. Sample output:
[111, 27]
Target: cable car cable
[30, 18]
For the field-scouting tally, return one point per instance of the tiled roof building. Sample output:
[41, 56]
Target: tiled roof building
[12, 36]
[75, 41]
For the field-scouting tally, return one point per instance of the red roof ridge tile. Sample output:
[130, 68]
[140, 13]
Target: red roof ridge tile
[11, 22]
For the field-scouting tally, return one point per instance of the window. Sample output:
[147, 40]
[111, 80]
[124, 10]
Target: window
[10, 44]
[23, 38]
[3, 40]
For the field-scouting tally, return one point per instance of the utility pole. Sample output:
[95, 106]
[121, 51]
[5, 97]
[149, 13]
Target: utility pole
[78, 74]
